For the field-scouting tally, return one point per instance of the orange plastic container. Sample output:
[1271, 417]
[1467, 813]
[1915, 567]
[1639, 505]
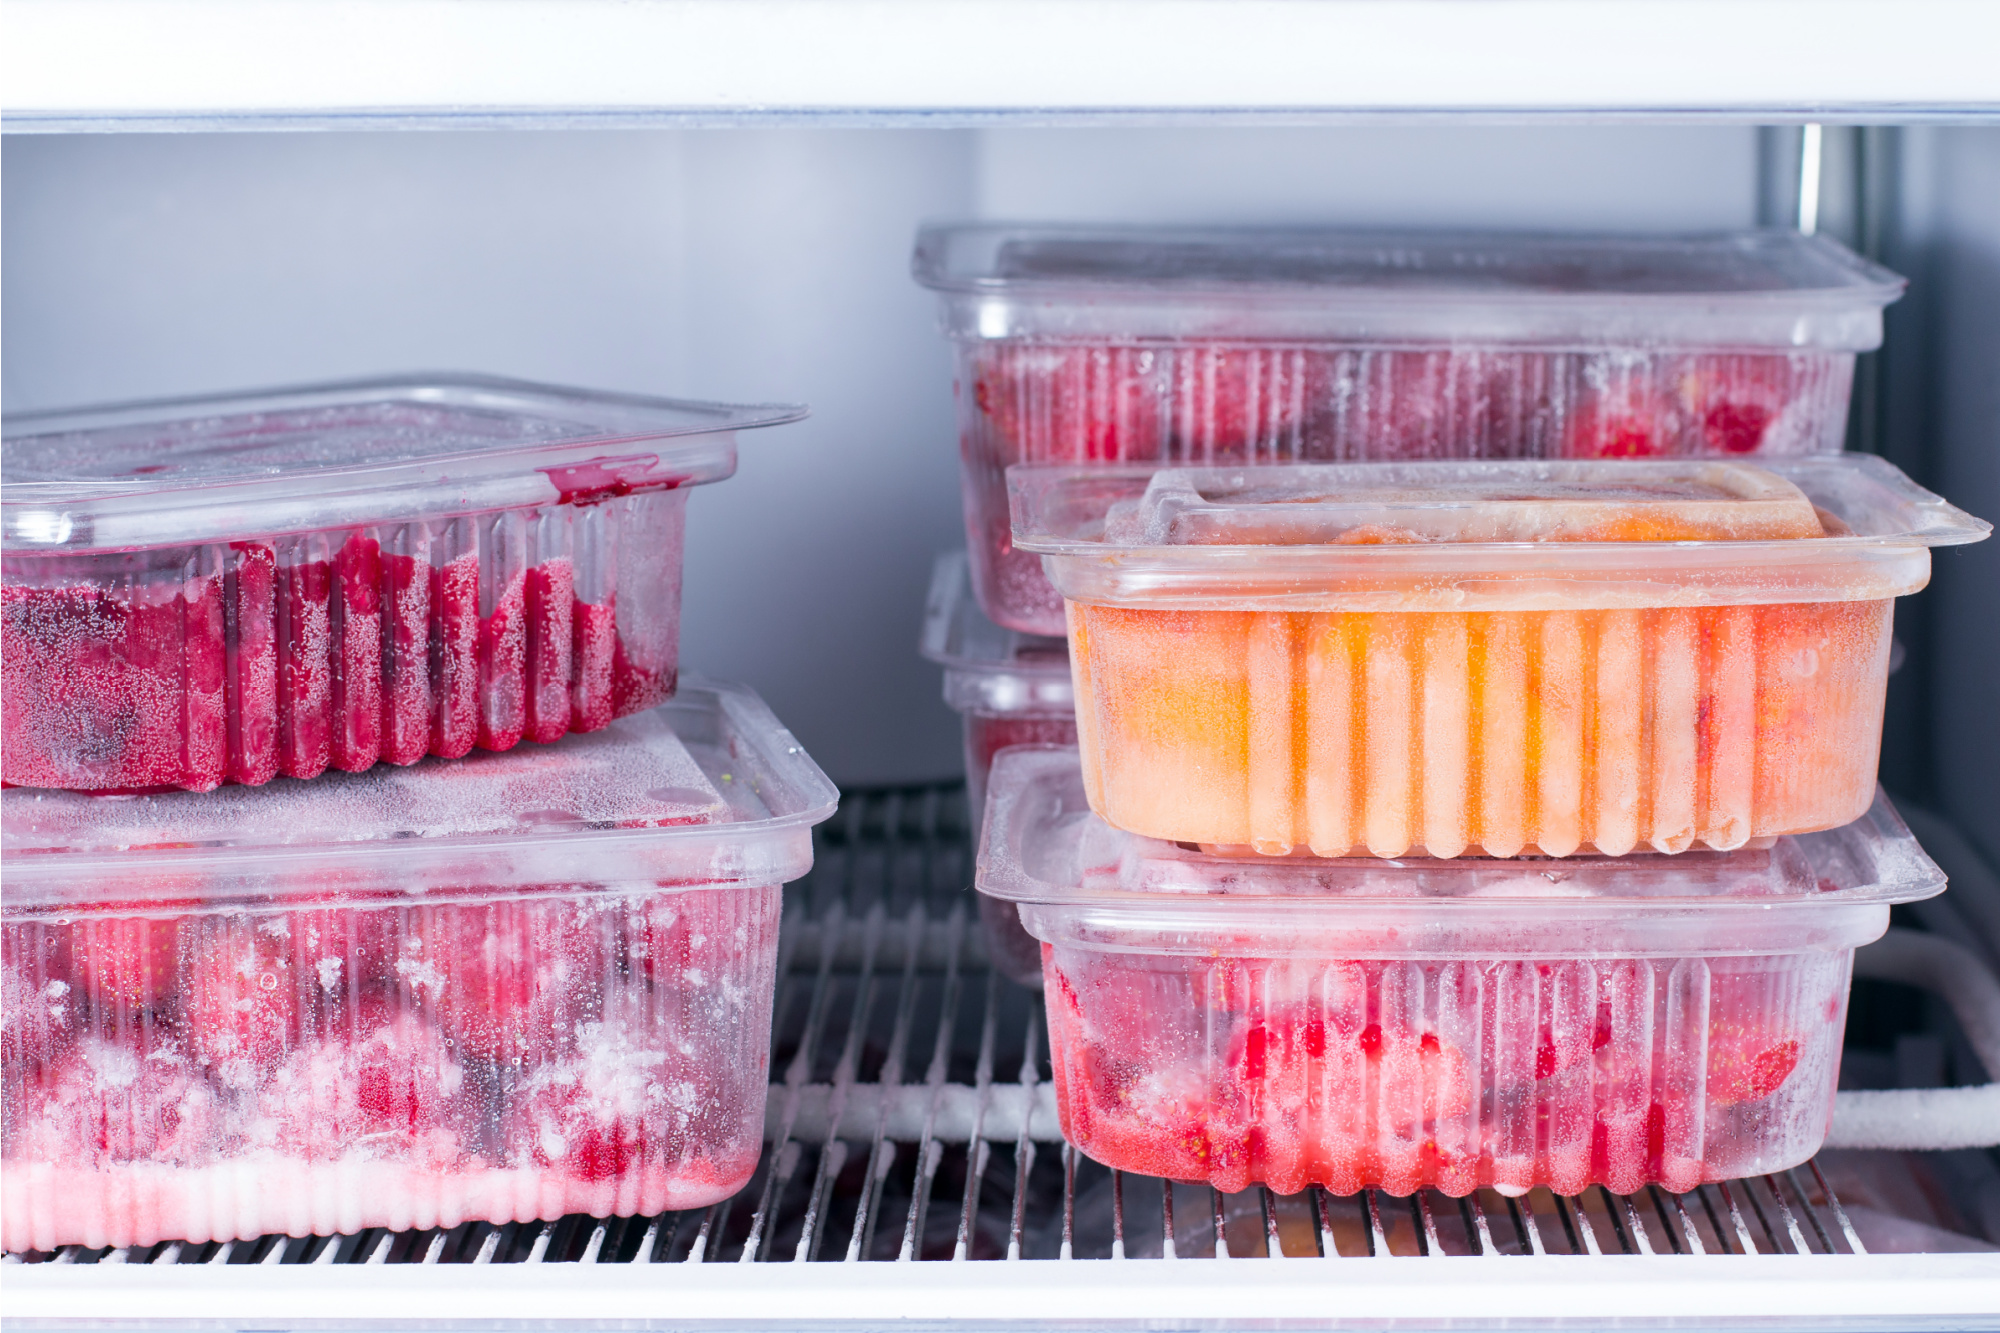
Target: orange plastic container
[1488, 657]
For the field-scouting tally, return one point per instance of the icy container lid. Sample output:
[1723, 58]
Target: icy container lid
[1080, 881]
[193, 470]
[705, 790]
[1775, 290]
[1483, 536]
[988, 669]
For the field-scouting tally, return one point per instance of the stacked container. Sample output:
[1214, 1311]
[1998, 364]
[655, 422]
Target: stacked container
[1012, 689]
[507, 982]
[1475, 642]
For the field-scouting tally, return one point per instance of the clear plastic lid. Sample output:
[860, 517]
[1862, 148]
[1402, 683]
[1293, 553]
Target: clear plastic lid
[339, 455]
[988, 669]
[1079, 880]
[1757, 289]
[707, 788]
[1483, 536]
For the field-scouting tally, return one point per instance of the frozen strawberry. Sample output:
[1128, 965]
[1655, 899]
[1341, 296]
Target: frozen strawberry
[128, 961]
[510, 981]
[1626, 418]
[110, 1102]
[1075, 404]
[1738, 400]
[241, 1002]
[389, 1088]
[1241, 401]
[615, 1107]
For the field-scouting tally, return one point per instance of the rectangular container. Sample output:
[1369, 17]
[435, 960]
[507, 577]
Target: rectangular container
[1450, 1025]
[1011, 689]
[502, 988]
[1177, 345]
[1503, 657]
[235, 588]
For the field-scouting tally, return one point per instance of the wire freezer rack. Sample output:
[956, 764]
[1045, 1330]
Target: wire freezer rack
[913, 1126]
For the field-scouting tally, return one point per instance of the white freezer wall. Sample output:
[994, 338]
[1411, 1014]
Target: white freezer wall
[756, 263]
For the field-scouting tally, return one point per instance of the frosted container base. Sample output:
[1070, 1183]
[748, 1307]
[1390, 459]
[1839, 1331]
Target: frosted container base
[235, 589]
[508, 987]
[1459, 1025]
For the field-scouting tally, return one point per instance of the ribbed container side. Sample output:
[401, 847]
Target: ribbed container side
[226, 1073]
[1032, 400]
[1449, 1075]
[243, 661]
[1552, 731]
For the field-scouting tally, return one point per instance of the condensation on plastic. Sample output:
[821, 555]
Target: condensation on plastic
[1011, 689]
[1298, 690]
[505, 988]
[1078, 346]
[1449, 1025]
[233, 589]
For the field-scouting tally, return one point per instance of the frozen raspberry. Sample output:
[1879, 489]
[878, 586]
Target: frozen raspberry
[510, 981]
[390, 1089]
[108, 1102]
[241, 1004]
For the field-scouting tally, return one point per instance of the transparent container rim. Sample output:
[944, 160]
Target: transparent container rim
[1027, 782]
[1865, 285]
[38, 878]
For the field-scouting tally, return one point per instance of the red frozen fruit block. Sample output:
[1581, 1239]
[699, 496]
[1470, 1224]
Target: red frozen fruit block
[387, 1089]
[305, 669]
[251, 643]
[241, 1001]
[1452, 1076]
[510, 981]
[503, 667]
[407, 594]
[355, 621]
[594, 654]
[455, 655]
[550, 599]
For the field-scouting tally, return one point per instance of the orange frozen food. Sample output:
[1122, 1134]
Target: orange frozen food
[1498, 658]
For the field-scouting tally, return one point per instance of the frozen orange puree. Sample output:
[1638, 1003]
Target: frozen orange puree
[1495, 731]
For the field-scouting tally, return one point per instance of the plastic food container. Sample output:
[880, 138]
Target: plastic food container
[1502, 657]
[502, 988]
[1011, 689]
[1081, 345]
[1445, 1025]
[230, 589]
